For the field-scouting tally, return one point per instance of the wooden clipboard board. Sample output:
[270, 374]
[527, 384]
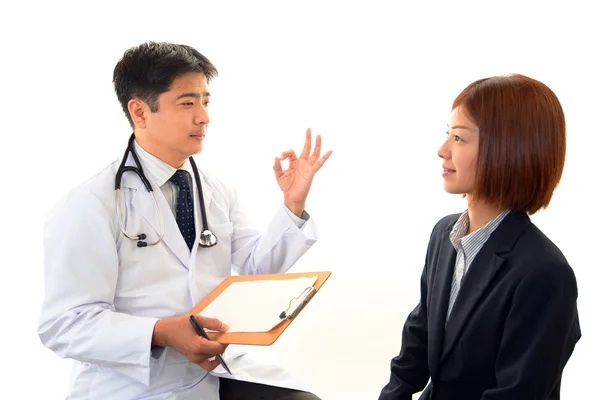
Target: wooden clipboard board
[256, 338]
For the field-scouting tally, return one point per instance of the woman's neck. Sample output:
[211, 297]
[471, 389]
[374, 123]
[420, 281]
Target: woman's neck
[480, 214]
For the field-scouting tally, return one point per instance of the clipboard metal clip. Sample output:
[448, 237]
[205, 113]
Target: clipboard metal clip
[298, 303]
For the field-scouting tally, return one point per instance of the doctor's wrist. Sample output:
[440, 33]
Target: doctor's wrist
[159, 335]
[296, 208]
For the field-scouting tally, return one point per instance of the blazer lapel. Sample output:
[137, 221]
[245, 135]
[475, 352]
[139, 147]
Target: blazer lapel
[440, 295]
[475, 283]
[480, 276]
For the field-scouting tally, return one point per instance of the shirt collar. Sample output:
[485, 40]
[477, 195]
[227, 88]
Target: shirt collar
[458, 234]
[156, 170]
[459, 229]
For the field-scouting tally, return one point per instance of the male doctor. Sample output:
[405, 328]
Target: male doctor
[120, 310]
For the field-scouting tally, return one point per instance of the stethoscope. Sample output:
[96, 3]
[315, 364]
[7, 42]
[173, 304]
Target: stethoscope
[207, 238]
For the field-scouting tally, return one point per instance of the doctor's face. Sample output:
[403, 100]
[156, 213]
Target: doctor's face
[177, 130]
[459, 153]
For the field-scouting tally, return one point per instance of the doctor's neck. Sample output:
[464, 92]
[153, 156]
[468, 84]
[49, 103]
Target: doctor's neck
[480, 213]
[158, 150]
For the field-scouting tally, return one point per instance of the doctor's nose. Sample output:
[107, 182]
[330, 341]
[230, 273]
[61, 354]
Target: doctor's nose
[202, 118]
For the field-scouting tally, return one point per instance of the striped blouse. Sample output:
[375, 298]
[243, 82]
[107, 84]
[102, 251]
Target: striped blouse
[467, 247]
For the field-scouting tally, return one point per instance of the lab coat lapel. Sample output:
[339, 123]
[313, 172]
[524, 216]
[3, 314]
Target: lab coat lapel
[440, 295]
[144, 204]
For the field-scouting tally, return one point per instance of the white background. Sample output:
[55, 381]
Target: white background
[376, 79]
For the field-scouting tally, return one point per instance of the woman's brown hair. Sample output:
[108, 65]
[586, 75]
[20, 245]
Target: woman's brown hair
[522, 141]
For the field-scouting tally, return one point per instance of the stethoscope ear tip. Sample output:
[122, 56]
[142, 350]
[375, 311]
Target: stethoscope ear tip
[140, 242]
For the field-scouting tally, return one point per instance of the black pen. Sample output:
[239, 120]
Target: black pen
[200, 331]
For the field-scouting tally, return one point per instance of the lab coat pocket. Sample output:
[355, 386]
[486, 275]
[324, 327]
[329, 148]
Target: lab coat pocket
[220, 254]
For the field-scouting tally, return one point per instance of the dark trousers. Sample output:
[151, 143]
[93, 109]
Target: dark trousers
[239, 390]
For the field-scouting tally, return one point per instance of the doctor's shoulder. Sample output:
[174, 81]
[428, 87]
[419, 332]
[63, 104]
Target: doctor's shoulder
[95, 195]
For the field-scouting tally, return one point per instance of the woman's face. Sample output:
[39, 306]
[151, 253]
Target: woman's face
[459, 153]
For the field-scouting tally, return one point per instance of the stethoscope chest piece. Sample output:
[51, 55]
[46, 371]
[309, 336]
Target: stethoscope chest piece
[207, 239]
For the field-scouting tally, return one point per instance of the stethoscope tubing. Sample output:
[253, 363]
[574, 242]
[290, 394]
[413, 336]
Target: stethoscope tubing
[207, 239]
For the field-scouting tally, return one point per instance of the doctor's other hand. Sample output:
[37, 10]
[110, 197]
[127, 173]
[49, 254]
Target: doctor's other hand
[296, 180]
[177, 332]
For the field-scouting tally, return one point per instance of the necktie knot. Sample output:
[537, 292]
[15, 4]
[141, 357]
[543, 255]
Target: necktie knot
[182, 179]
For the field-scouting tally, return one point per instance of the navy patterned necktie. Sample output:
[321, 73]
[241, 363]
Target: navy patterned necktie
[184, 214]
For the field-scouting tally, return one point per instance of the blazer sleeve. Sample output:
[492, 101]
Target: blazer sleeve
[409, 370]
[541, 330]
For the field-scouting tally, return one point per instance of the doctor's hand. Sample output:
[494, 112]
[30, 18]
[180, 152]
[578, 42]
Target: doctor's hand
[178, 332]
[295, 181]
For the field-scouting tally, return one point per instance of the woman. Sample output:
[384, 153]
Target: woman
[497, 318]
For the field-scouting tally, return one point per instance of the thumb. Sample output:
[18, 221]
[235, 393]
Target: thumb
[212, 324]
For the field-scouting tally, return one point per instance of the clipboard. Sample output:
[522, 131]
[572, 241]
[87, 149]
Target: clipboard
[286, 316]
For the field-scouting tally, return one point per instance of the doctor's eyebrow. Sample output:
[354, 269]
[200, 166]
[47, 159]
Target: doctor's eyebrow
[193, 94]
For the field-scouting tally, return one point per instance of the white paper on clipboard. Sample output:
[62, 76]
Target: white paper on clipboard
[255, 306]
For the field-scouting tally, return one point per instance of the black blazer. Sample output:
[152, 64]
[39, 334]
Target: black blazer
[512, 329]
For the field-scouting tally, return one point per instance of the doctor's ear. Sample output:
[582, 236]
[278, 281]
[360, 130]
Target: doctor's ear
[138, 111]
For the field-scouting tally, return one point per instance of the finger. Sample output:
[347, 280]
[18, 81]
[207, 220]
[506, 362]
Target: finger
[209, 364]
[277, 168]
[291, 154]
[206, 347]
[307, 145]
[212, 324]
[317, 153]
[322, 160]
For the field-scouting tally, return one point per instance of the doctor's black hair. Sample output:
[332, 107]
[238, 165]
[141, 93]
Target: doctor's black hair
[147, 70]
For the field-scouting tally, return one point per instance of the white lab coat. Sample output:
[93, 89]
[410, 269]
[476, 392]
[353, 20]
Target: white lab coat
[104, 294]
